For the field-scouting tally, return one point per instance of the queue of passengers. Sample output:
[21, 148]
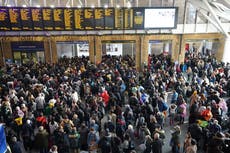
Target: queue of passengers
[110, 107]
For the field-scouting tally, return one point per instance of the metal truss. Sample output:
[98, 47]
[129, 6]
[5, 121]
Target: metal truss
[217, 11]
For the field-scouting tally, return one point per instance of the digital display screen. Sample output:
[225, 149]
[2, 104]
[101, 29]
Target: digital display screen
[138, 18]
[128, 18]
[26, 19]
[79, 19]
[4, 19]
[70, 19]
[160, 18]
[99, 16]
[47, 18]
[15, 19]
[58, 18]
[89, 18]
[119, 18]
[37, 19]
[109, 19]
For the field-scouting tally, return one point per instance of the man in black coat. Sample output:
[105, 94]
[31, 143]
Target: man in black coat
[157, 144]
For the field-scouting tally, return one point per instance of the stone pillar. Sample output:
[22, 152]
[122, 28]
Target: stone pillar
[2, 57]
[7, 50]
[144, 51]
[139, 50]
[47, 49]
[181, 50]
[54, 51]
[98, 49]
[92, 49]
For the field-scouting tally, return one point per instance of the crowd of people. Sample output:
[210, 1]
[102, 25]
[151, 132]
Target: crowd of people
[75, 105]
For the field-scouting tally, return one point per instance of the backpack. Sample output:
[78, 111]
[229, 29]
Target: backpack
[67, 127]
[180, 110]
[165, 106]
[74, 142]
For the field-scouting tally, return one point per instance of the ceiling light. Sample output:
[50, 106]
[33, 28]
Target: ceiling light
[68, 6]
[24, 5]
[118, 6]
[8, 5]
[79, 6]
[52, 6]
[106, 6]
[38, 6]
[92, 6]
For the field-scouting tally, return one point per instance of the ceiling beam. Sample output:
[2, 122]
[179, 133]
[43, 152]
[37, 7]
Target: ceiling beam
[216, 18]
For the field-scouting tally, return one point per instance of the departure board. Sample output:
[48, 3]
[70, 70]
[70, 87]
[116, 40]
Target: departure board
[58, 18]
[15, 19]
[89, 18]
[26, 19]
[109, 19]
[4, 19]
[99, 16]
[138, 18]
[119, 19]
[47, 14]
[128, 18]
[68, 19]
[79, 19]
[37, 18]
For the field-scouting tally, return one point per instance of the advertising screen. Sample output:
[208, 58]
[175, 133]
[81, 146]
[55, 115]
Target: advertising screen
[160, 18]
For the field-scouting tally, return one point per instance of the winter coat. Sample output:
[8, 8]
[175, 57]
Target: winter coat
[41, 139]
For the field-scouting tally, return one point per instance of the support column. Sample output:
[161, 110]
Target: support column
[226, 54]
[93, 49]
[178, 51]
[98, 50]
[47, 49]
[8, 54]
[54, 51]
[2, 57]
[138, 53]
[144, 51]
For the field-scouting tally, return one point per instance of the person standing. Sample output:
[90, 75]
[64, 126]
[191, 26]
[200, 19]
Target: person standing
[148, 144]
[192, 148]
[157, 144]
[175, 140]
[28, 135]
[92, 141]
[15, 146]
[41, 140]
[83, 131]
[105, 142]
[74, 140]
[172, 112]
[187, 141]
[183, 112]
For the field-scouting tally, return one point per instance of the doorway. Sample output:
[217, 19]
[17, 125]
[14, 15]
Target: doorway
[157, 47]
[71, 49]
[119, 48]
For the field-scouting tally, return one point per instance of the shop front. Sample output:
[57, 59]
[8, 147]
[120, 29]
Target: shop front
[28, 51]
